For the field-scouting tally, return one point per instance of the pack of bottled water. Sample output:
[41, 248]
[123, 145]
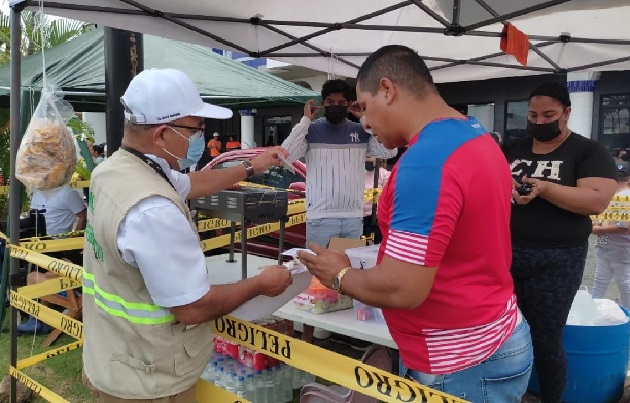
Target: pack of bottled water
[272, 385]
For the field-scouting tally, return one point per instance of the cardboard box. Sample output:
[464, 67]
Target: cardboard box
[341, 244]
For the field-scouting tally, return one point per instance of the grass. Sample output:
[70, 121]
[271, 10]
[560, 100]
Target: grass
[60, 374]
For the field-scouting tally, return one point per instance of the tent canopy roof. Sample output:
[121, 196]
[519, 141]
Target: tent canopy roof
[459, 39]
[78, 65]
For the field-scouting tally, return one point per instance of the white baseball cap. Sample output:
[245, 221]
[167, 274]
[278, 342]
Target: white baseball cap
[159, 96]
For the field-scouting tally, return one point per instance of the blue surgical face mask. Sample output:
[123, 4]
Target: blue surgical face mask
[196, 148]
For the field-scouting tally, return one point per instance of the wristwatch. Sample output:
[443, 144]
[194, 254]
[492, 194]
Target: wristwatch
[249, 168]
[336, 283]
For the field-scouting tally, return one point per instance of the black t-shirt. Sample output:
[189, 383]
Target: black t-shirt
[541, 224]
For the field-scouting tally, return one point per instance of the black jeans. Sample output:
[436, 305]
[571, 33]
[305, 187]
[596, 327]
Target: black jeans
[545, 283]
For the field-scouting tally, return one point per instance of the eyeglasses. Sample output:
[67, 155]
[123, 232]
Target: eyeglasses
[198, 131]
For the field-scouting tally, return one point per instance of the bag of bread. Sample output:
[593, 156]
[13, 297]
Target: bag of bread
[47, 156]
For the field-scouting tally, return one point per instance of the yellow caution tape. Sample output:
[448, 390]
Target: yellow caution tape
[296, 206]
[48, 287]
[72, 234]
[36, 359]
[61, 267]
[80, 184]
[69, 326]
[611, 216]
[369, 194]
[54, 245]
[36, 387]
[207, 392]
[224, 240]
[212, 224]
[334, 367]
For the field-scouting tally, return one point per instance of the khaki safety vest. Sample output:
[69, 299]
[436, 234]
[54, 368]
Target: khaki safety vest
[133, 348]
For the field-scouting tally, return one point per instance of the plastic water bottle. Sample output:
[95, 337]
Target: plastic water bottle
[230, 383]
[239, 387]
[210, 372]
[278, 388]
[287, 386]
[270, 386]
[219, 377]
[261, 387]
[250, 389]
[296, 379]
[306, 378]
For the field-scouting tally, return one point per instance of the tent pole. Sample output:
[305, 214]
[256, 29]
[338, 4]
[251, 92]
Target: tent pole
[515, 14]
[456, 11]
[14, 188]
[599, 64]
[124, 58]
[298, 41]
[431, 13]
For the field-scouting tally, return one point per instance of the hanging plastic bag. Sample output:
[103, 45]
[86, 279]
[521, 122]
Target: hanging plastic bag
[47, 156]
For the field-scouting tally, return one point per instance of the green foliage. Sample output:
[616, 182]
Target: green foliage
[55, 32]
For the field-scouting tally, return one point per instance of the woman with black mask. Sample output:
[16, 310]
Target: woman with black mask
[560, 178]
[622, 155]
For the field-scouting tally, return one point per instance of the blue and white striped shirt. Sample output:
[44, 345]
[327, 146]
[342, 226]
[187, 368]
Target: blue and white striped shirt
[335, 161]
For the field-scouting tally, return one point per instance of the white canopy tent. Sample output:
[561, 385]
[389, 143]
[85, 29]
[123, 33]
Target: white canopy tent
[459, 39]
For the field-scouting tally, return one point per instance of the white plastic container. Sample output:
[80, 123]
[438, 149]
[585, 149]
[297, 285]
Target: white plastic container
[364, 258]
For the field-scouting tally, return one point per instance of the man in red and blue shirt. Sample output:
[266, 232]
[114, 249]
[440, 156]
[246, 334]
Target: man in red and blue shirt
[442, 275]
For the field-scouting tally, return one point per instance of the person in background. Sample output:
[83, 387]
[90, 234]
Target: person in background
[567, 177]
[335, 149]
[98, 153]
[622, 155]
[613, 244]
[232, 144]
[270, 141]
[370, 224]
[497, 137]
[214, 146]
[442, 275]
[64, 210]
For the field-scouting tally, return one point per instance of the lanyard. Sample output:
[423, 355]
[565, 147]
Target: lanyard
[154, 165]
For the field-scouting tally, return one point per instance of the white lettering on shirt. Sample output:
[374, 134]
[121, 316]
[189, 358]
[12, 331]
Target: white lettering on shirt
[552, 166]
[517, 163]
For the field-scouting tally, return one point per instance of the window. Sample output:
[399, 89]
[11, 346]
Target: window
[615, 120]
[515, 119]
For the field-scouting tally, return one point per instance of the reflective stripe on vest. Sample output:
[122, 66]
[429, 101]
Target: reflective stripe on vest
[134, 312]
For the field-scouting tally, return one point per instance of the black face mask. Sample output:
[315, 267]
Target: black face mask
[369, 166]
[544, 132]
[335, 113]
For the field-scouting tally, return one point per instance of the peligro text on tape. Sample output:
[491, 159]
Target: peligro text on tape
[208, 392]
[54, 245]
[36, 387]
[258, 230]
[48, 287]
[346, 372]
[61, 267]
[69, 326]
[213, 223]
[36, 359]
[612, 216]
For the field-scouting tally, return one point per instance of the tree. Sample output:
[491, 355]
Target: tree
[55, 32]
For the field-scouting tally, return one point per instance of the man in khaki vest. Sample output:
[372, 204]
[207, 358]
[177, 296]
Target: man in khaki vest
[147, 298]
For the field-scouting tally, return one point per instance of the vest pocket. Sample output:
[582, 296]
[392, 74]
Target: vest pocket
[134, 363]
[197, 348]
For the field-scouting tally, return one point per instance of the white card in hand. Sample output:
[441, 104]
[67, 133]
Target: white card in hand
[286, 163]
